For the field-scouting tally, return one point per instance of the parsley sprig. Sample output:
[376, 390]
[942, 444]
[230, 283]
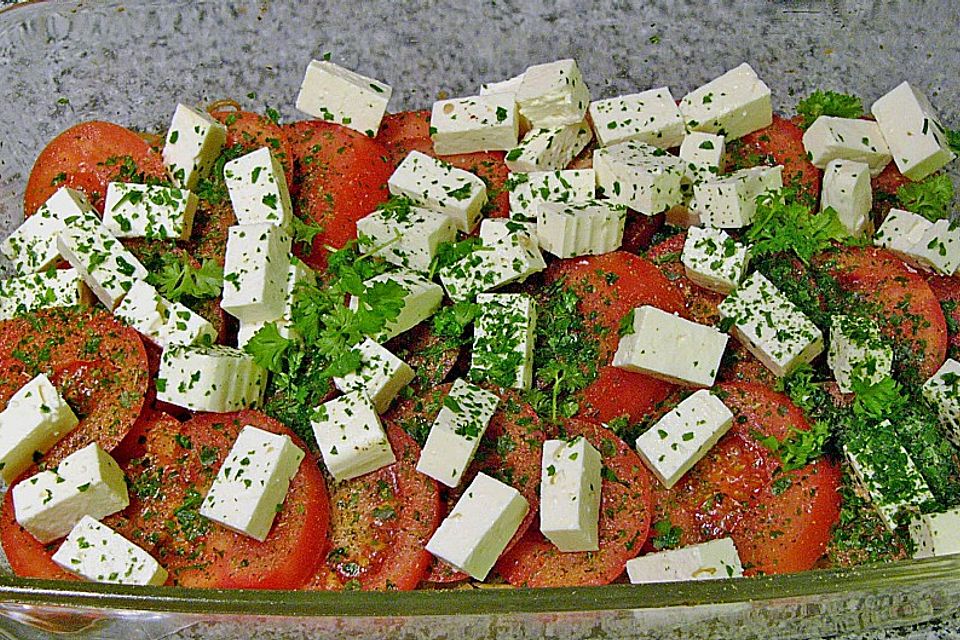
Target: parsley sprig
[784, 224]
[177, 279]
[829, 103]
[931, 198]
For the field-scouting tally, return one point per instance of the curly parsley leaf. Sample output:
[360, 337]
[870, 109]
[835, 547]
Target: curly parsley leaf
[930, 198]
[666, 535]
[177, 278]
[801, 447]
[451, 322]
[268, 347]
[783, 224]
[879, 401]
[828, 103]
[304, 231]
[449, 253]
[953, 140]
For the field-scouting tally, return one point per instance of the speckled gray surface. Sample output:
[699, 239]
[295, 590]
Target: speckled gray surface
[131, 62]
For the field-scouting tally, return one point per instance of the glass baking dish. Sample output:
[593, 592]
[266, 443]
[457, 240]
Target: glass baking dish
[130, 62]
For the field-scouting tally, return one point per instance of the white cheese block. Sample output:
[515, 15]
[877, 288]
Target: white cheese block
[912, 130]
[714, 260]
[553, 94]
[650, 116]
[901, 232]
[350, 436]
[32, 247]
[891, 503]
[184, 326]
[437, 185]
[96, 552]
[422, 299]
[149, 211]
[252, 483]
[570, 494]
[334, 94]
[298, 274]
[258, 189]
[703, 150]
[510, 85]
[481, 524]
[381, 375]
[830, 138]
[730, 201]
[210, 378]
[770, 326]
[495, 229]
[255, 272]
[942, 390]
[669, 347]
[143, 309]
[734, 104]
[88, 482]
[528, 190]
[936, 535]
[477, 123]
[846, 188]
[857, 352]
[681, 438]
[42, 290]
[549, 149]
[580, 229]
[193, 144]
[714, 560]
[510, 259]
[406, 235]
[503, 339]
[456, 432]
[640, 176]
[35, 419]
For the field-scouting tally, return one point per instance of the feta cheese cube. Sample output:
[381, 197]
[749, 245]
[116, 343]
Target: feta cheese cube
[88, 482]
[421, 301]
[857, 352]
[703, 150]
[681, 438]
[770, 326]
[734, 104]
[193, 144]
[939, 248]
[901, 232]
[528, 190]
[255, 272]
[456, 432]
[35, 419]
[549, 149]
[889, 476]
[96, 552]
[830, 138]
[640, 176]
[258, 189]
[32, 247]
[671, 348]
[581, 229]
[570, 494]
[495, 229]
[553, 94]
[330, 92]
[477, 123]
[650, 116]
[406, 235]
[503, 339]
[713, 260]
[184, 326]
[252, 483]
[107, 267]
[42, 290]
[381, 375]
[510, 259]
[143, 309]
[510, 85]
[149, 211]
[210, 378]
[730, 202]
[437, 185]
[350, 436]
[936, 534]
[298, 274]
[481, 524]
[912, 130]
[846, 188]
[942, 390]
[713, 560]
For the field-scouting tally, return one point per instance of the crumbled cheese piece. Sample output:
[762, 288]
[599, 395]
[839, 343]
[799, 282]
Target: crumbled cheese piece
[258, 189]
[42, 290]
[350, 436]
[210, 378]
[407, 236]
[928, 245]
[255, 272]
[510, 259]
[528, 190]
[298, 274]
[553, 94]
[730, 201]
[714, 260]
[32, 247]
[713, 560]
[97, 553]
[570, 494]
[846, 189]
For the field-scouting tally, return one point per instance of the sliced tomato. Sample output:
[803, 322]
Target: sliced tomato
[86, 157]
[625, 511]
[610, 286]
[432, 358]
[900, 298]
[889, 181]
[947, 290]
[616, 392]
[701, 303]
[13, 375]
[639, 230]
[404, 132]
[780, 143]
[99, 366]
[251, 131]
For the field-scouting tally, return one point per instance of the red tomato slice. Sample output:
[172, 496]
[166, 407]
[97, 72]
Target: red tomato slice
[98, 364]
[889, 181]
[616, 392]
[639, 230]
[88, 156]
[947, 290]
[625, 511]
[430, 356]
[252, 131]
[343, 177]
[780, 143]
[404, 132]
